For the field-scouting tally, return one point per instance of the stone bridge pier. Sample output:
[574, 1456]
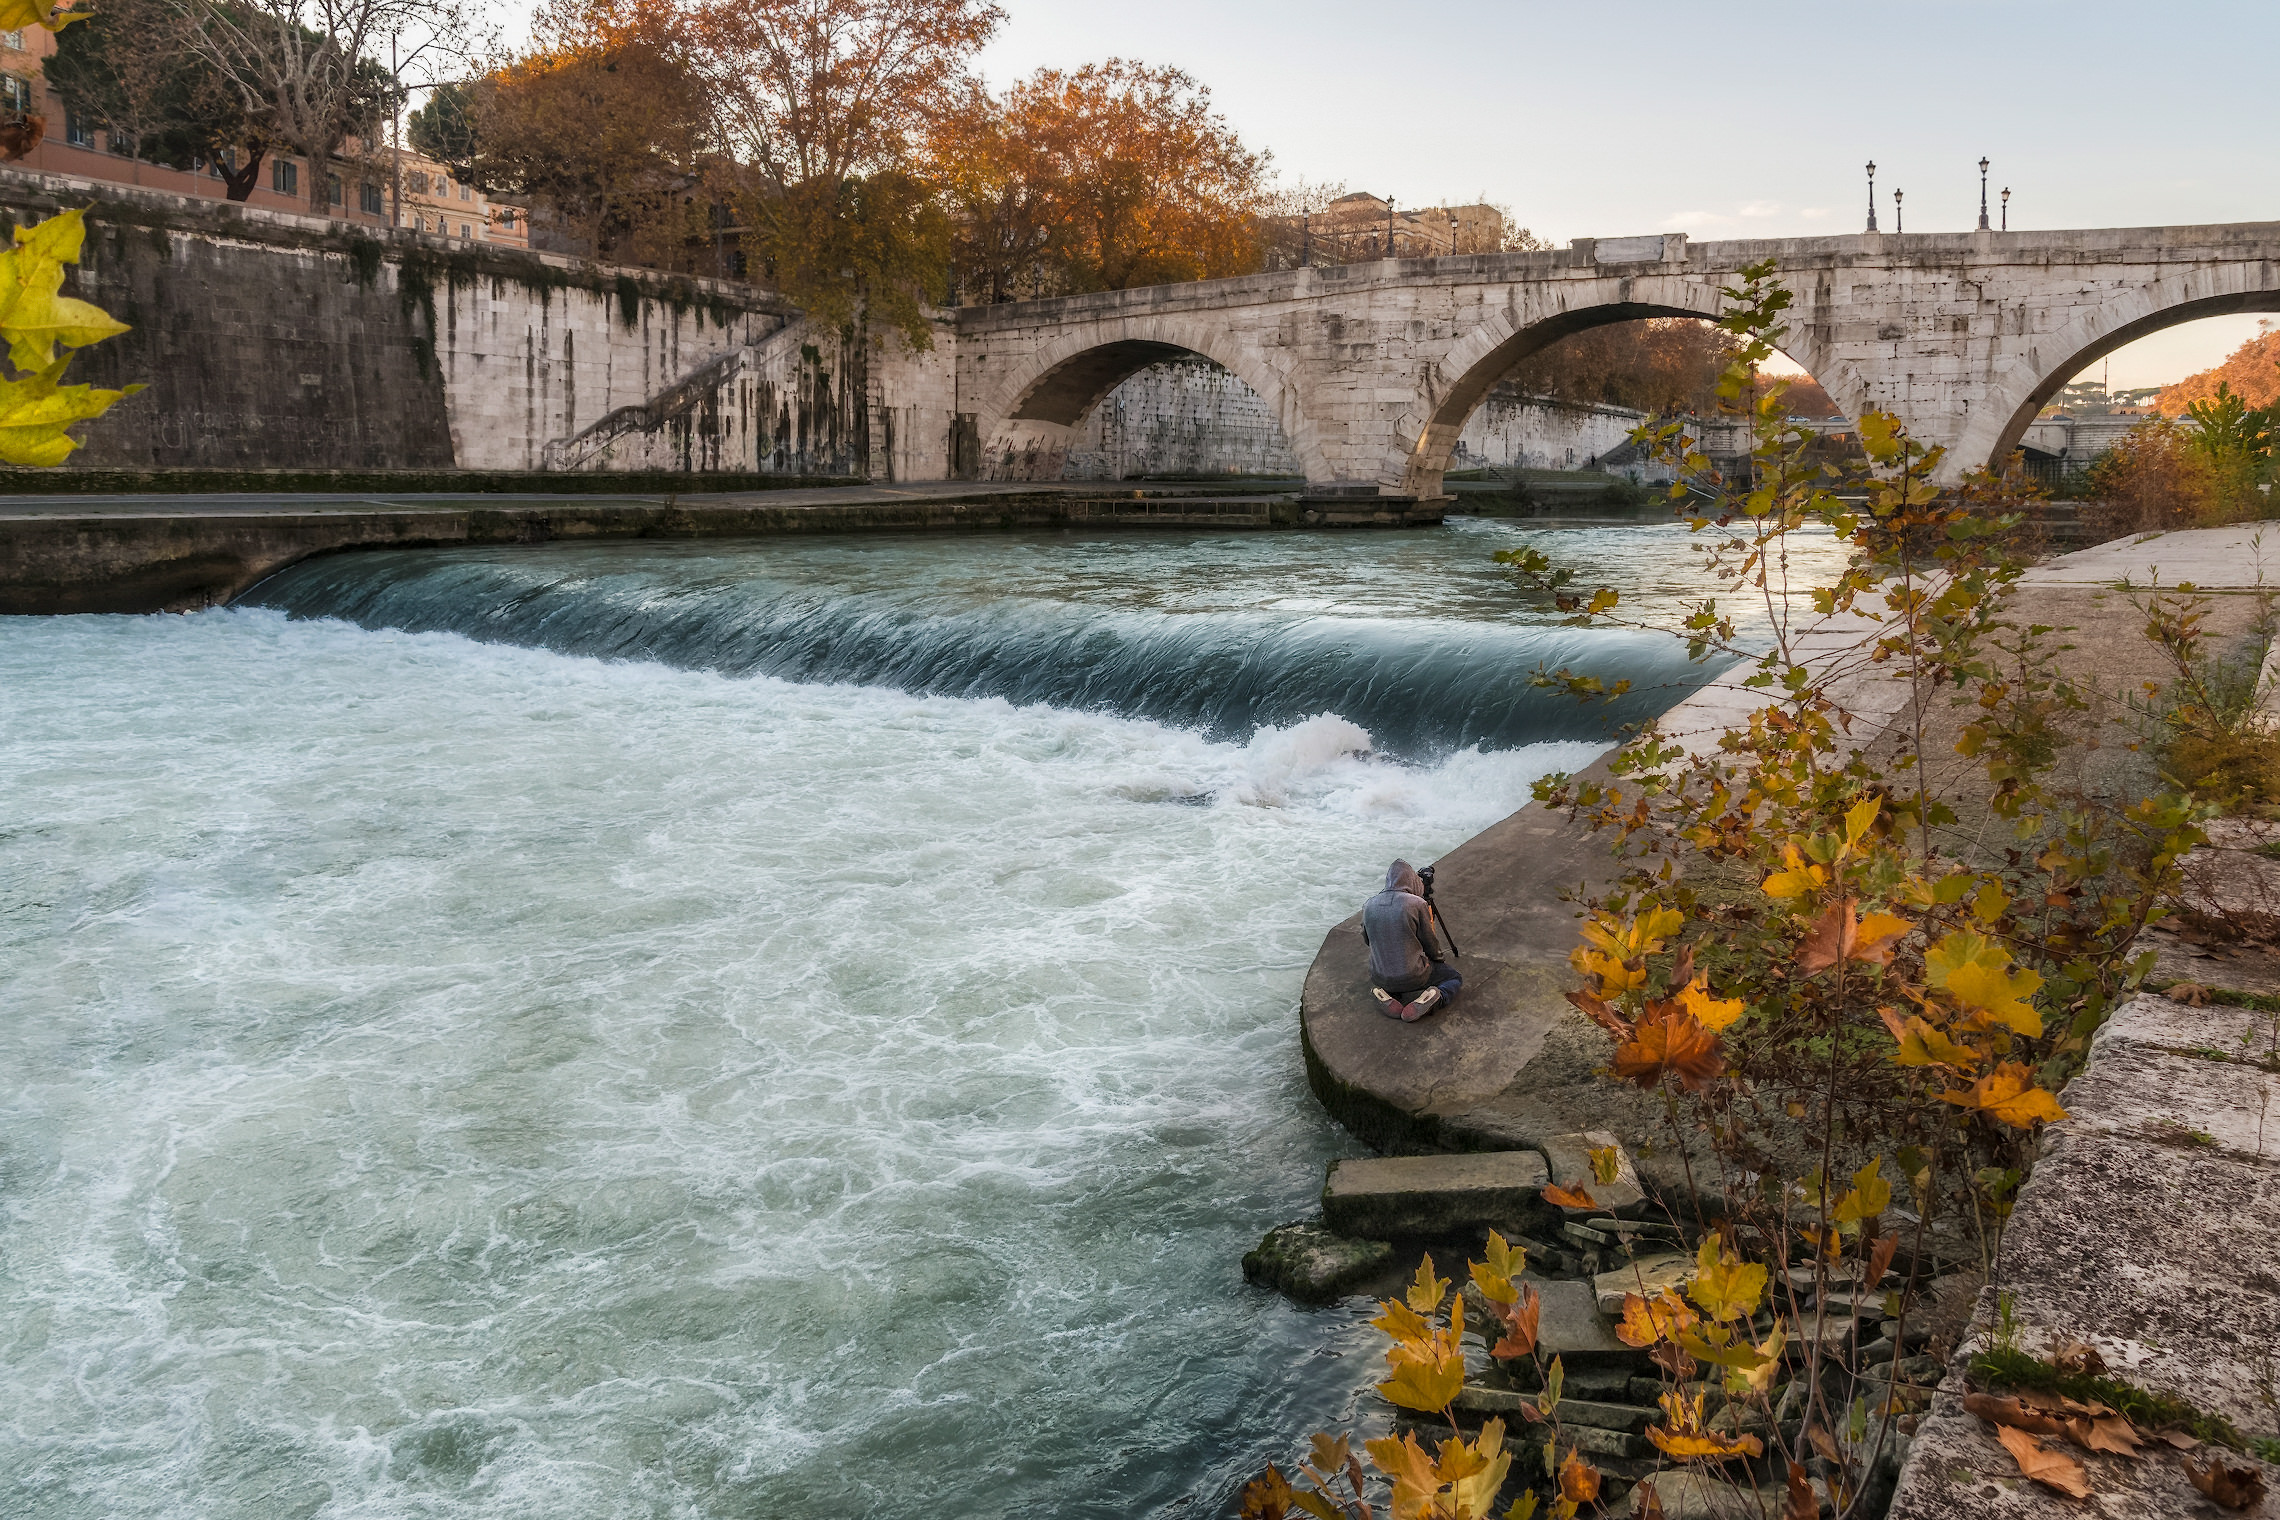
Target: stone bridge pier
[1372, 369]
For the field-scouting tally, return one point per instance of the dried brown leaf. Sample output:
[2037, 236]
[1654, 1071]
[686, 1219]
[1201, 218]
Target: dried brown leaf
[1995, 1409]
[2050, 1468]
[2235, 1485]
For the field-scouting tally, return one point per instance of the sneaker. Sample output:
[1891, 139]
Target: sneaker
[1391, 1006]
[1425, 1003]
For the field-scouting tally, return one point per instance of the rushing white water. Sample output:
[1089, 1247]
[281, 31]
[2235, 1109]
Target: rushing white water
[461, 1079]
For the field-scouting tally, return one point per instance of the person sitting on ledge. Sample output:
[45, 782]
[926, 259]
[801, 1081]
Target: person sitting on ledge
[1408, 974]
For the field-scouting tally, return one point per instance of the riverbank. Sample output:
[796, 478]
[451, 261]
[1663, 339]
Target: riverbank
[2146, 1232]
[169, 553]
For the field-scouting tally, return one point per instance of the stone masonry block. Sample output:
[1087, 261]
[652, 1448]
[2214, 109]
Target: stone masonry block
[1432, 1195]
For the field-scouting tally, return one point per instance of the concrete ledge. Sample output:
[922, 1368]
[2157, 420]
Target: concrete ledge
[158, 554]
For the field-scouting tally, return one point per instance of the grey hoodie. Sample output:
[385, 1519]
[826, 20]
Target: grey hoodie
[1398, 927]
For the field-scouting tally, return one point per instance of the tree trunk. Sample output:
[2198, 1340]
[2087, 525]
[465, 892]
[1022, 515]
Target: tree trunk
[237, 184]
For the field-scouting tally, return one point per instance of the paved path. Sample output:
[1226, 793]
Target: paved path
[2225, 559]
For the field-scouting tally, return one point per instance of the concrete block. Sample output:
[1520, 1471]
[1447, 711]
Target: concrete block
[1314, 1265]
[1646, 1276]
[1431, 1195]
[1569, 1157]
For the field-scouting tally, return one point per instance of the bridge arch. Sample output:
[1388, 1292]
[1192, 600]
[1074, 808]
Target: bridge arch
[1050, 391]
[2025, 385]
[1484, 355]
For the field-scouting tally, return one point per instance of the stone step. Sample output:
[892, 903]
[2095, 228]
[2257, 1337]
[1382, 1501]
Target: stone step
[1646, 1276]
[1377, 1197]
[1569, 1159]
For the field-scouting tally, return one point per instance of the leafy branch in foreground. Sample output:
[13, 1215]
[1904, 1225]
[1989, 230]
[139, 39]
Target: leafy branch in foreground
[35, 319]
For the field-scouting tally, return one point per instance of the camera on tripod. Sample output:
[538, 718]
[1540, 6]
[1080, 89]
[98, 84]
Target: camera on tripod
[1425, 875]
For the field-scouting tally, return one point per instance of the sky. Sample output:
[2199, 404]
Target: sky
[1594, 119]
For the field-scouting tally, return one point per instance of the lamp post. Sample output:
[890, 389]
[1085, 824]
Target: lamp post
[1983, 195]
[1896, 229]
[1871, 227]
[1305, 237]
[2006, 208]
[1389, 227]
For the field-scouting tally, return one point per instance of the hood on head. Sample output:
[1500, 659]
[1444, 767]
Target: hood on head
[1401, 876]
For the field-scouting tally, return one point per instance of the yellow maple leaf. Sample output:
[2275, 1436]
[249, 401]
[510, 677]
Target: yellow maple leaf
[1400, 1321]
[1427, 1291]
[1427, 1377]
[1871, 1195]
[2008, 1094]
[1799, 879]
[1646, 1321]
[1977, 974]
[1487, 1462]
[1724, 1286]
[1861, 817]
[1405, 1462]
[1712, 1013]
[1923, 1045]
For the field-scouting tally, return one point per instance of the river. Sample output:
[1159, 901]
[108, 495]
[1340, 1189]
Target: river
[778, 1028]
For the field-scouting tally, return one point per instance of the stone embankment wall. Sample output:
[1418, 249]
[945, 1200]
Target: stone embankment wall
[274, 341]
[1191, 417]
[2148, 1233]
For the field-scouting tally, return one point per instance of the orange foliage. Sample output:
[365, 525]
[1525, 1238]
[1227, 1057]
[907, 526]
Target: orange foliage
[1114, 175]
[1662, 365]
[2252, 370]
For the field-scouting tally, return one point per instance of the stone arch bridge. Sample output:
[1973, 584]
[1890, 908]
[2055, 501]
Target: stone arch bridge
[1373, 368]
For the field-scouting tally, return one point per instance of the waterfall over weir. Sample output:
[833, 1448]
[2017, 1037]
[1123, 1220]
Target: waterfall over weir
[1423, 680]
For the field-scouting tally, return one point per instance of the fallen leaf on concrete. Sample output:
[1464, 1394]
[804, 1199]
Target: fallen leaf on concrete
[2078, 1356]
[2180, 1440]
[2050, 1468]
[2234, 1485]
[2108, 1432]
[1646, 1504]
[2190, 993]
[1996, 1410]
[1569, 1198]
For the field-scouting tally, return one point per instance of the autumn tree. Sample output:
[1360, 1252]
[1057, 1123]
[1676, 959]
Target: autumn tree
[607, 121]
[306, 69]
[1123, 173]
[2251, 372]
[822, 107]
[171, 103]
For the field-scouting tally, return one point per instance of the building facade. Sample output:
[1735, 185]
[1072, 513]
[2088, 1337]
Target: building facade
[367, 189]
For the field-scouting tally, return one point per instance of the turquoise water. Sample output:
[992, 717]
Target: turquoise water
[453, 1073]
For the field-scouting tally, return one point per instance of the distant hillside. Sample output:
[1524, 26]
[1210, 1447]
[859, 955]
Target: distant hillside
[2253, 372]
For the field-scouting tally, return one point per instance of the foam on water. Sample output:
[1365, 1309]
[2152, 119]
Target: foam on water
[448, 1079]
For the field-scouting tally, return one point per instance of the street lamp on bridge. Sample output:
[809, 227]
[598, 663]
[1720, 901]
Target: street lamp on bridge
[1983, 195]
[1871, 227]
[1896, 213]
[2006, 208]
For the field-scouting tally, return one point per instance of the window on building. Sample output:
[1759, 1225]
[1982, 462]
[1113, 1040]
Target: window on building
[369, 199]
[332, 187]
[507, 217]
[416, 182]
[284, 176]
[13, 39]
[77, 129]
[122, 143]
[15, 93]
[466, 191]
[465, 230]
